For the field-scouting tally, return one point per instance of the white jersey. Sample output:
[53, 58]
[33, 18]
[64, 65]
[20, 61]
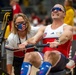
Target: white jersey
[13, 41]
[53, 33]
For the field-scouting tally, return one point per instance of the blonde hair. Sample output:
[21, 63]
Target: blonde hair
[28, 27]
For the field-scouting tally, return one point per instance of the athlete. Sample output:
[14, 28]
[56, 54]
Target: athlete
[58, 35]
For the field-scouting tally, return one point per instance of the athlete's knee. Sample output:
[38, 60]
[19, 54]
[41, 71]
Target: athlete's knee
[48, 56]
[31, 57]
[28, 57]
[51, 56]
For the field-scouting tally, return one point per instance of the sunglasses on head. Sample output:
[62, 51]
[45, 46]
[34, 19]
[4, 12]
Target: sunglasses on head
[57, 8]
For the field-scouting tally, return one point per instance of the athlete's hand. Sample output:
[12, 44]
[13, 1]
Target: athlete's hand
[54, 44]
[23, 46]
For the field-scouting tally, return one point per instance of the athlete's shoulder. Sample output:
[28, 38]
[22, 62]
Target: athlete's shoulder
[66, 26]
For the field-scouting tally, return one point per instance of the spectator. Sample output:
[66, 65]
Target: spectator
[48, 20]
[16, 9]
[35, 18]
[21, 32]
[41, 22]
[69, 12]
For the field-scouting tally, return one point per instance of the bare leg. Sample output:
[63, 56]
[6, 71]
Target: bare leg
[30, 59]
[50, 59]
[9, 69]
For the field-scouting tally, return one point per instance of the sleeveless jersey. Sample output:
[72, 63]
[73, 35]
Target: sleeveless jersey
[51, 35]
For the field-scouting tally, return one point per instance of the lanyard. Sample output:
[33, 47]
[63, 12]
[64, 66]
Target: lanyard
[20, 42]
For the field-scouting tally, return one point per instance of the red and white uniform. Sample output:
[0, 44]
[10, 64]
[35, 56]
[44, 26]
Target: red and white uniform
[52, 34]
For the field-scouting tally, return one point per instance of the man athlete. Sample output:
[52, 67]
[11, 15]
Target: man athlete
[58, 35]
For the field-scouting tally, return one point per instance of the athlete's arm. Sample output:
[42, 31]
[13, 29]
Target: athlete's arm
[37, 37]
[66, 35]
[34, 39]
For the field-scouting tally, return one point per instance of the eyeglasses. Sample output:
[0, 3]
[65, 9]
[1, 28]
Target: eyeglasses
[22, 22]
[57, 8]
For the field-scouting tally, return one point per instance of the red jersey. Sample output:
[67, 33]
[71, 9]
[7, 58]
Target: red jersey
[16, 9]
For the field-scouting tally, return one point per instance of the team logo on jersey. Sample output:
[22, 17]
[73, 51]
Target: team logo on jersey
[59, 33]
[52, 33]
[44, 34]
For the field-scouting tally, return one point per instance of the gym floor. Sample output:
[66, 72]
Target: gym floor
[33, 72]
